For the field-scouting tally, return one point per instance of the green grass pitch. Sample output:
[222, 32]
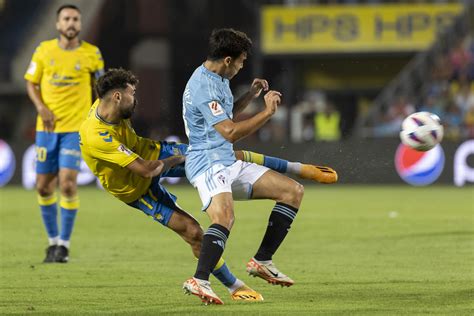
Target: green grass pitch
[352, 250]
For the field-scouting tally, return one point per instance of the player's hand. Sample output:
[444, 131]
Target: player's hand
[257, 86]
[48, 119]
[272, 101]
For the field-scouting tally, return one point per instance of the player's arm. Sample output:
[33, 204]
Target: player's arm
[45, 113]
[153, 168]
[234, 131]
[255, 89]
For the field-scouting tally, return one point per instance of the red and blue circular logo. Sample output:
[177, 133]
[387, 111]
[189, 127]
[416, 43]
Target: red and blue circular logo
[7, 163]
[419, 167]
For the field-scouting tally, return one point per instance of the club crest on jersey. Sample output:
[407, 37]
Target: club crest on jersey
[124, 150]
[216, 108]
[77, 66]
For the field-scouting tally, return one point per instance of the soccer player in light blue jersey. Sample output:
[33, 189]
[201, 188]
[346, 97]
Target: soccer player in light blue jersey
[211, 165]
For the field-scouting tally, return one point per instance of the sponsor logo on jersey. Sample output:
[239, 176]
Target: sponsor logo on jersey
[124, 149]
[216, 108]
[417, 167]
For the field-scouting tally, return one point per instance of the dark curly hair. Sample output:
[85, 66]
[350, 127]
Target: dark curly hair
[114, 79]
[228, 42]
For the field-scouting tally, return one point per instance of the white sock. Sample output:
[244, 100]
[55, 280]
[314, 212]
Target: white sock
[53, 241]
[238, 283]
[293, 168]
[64, 243]
[263, 262]
[202, 281]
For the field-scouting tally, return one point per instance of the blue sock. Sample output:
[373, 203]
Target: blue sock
[49, 212]
[69, 208]
[50, 220]
[224, 275]
[277, 164]
[67, 223]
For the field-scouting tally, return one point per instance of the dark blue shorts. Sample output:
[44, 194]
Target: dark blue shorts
[157, 202]
[169, 149]
[57, 150]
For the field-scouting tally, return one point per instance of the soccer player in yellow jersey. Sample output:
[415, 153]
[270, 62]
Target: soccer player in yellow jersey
[127, 166]
[59, 83]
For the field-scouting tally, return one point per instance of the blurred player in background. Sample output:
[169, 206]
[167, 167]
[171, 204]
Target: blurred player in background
[212, 167]
[59, 83]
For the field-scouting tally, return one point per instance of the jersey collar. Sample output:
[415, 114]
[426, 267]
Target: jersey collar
[104, 121]
[212, 74]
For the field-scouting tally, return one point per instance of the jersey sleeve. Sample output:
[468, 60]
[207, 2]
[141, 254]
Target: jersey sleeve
[105, 147]
[98, 64]
[35, 68]
[212, 110]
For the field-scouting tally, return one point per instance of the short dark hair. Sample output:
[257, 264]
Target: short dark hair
[67, 6]
[115, 79]
[228, 42]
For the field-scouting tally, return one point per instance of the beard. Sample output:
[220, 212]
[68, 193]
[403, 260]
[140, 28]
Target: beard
[70, 33]
[128, 112]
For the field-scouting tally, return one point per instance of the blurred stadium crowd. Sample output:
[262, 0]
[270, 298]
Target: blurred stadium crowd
[327, 97]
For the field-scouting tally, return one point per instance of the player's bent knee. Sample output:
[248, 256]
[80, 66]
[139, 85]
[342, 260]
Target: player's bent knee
[294, 194]
[68, 188]
[44, 191]
[299, 191]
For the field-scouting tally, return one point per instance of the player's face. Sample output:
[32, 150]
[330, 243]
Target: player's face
[234, 65]
[69, 23]
[128, 102]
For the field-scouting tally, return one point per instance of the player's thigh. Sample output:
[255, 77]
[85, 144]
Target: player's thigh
[275, 186]
[221, 209]
[69, 151]
[68, 181]
[185, 225]
[47, 153]
[215, 190]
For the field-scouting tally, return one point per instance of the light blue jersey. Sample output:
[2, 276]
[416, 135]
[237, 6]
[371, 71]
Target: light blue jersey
[207, 100]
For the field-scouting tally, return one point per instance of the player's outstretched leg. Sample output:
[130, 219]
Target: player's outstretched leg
[319, 174]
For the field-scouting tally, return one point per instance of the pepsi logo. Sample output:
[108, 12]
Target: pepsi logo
[7, 163]
[419, 167]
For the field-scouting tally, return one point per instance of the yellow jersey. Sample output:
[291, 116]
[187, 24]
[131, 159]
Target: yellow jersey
[65, 82]
[108, 148]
